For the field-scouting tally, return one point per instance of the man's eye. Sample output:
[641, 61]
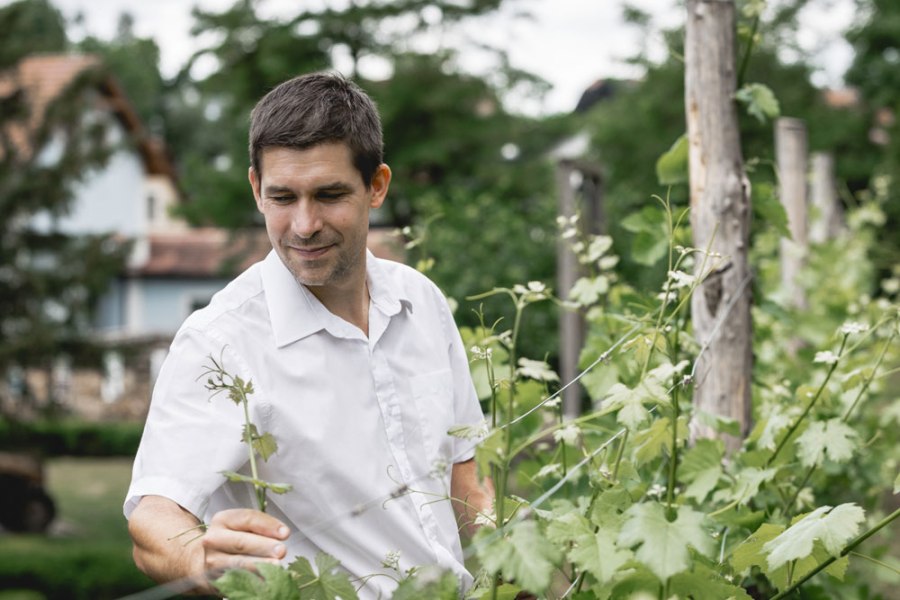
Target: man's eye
[331, 195]
[281, 198]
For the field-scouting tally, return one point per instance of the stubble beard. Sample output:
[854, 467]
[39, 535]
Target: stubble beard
[308, 273]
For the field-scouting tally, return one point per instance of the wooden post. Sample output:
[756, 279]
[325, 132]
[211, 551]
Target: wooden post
[720, 217]
[790, 155]
[828, 221]
[571, 323]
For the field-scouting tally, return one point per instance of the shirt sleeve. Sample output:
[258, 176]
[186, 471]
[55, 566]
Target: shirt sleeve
[189, 437]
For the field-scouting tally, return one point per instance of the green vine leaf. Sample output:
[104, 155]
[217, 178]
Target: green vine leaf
[672, 166]
[760, 101]
[523, 556]
[664, 545]
[272, 583]
[746, 486]
[701, 468]
[833, 438]
[428, 583]
[834, 527]
[705, 584]
[587, 291]
[330, 584]
[598, 554]
[750, 553]
[536, 369]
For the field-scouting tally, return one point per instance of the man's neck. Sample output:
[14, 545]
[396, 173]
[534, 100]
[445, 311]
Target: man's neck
[350, 302]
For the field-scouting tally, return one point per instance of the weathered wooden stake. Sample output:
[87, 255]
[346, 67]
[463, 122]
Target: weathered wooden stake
[790, 156]
[720, 216]
[828, 221]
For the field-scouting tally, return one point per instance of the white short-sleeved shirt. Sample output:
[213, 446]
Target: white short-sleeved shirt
[355, 418]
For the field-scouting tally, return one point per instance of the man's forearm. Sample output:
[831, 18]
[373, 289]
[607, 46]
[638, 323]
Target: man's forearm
[159, 549]
[471, 496]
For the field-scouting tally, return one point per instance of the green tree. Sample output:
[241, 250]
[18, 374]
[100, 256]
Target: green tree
[446, 135]
[30, 26]
[49, 281]
[875, 71]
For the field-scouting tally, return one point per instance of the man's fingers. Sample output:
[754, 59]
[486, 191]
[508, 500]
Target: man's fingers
[242, 543]
[252, 521]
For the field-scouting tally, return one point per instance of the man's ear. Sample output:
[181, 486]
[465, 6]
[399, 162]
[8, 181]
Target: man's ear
[381, 181]
[254, 185]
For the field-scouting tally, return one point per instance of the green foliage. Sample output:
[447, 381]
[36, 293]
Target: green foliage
[52, 280]
[71, 438]
[672, 167]
[761, 103]
[28, 27]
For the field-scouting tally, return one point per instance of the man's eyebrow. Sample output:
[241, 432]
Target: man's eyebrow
[277, 189]
[335, 186]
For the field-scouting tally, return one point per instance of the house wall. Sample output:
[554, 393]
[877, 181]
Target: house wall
[143, 307]
[110, 199]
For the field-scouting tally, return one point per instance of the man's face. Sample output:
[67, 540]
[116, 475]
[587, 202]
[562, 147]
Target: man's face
[316, 208]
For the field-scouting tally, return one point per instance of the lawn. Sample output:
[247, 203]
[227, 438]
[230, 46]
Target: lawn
[87, 553]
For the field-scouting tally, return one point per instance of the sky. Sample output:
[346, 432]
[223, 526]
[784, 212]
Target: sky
[570, 43]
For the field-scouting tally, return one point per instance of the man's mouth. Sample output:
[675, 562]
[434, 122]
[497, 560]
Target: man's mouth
[311, 252]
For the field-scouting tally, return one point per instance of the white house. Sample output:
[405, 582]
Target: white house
[173, 268]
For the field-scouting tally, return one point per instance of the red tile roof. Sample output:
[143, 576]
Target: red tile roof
[43, 77]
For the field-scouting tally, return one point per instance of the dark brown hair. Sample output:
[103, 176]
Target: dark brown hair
[314, 109]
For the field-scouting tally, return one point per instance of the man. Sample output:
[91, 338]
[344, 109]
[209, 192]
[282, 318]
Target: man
[357, 368]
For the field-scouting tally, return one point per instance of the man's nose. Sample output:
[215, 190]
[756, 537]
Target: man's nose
[307, 220]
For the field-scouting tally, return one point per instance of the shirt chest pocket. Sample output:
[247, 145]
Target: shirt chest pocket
[433, 397]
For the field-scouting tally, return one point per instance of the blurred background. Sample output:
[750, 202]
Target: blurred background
[124, 202]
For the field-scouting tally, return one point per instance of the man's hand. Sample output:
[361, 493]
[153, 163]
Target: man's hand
[236, 538]
[241, 537]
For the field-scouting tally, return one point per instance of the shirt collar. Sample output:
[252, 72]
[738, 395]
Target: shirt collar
[296, 313]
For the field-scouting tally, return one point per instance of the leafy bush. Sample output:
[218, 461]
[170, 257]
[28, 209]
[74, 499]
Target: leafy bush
[71, 438]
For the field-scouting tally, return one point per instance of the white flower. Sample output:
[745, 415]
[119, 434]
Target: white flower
[656, 491]
[391, 560]
[851, 327]
[828, 357]
[568, 434]
[680, 279]
[547, 470]
[486, 520]
[553, 403]
[891, 286]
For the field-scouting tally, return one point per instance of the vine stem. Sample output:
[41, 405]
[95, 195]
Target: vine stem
[831, 559]
[809, 406]
[248, 438]
[846, 417]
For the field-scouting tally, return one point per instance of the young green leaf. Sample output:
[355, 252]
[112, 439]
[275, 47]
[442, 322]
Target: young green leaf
[672, 166]
[272, 583]
[703, 583]
[330, 584]
[536, 369]
[428, 583]
[649, 442]
[523, 556]
[747, 485]
[834, 527]
[598, 554]
[265, 445]
[833, 438]
[701, 468]
[663, 544]
[760, 101]
[587, 291]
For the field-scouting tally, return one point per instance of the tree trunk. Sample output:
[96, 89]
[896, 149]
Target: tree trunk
[720, 217]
